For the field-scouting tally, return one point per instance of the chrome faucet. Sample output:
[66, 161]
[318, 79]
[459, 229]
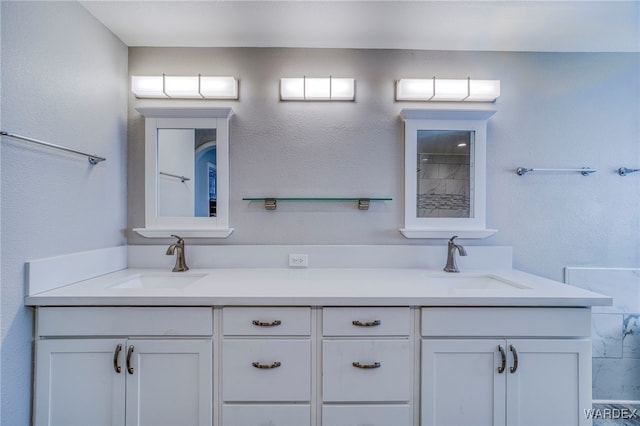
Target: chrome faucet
[451, 265]
[181, 264]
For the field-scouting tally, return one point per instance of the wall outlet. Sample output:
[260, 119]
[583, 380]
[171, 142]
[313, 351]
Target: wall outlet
[298, 260]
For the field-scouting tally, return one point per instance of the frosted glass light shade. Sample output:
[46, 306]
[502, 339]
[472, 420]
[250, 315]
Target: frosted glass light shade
[148, 86]
[219, 87]
[414, 89]
[453, 90]
[292, 89]
[181, 87]
[483, 90]
[343, 89]
[450, 90]
[317, 89]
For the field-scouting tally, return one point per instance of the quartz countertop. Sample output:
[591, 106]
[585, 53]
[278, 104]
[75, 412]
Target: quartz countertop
[317, 287]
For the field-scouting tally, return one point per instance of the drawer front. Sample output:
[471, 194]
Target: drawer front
[366, 321]
[366, 370]
[266, 414]
[125, 321]
[258, 321]
[370, 415]
[266, 370]
[506, 322]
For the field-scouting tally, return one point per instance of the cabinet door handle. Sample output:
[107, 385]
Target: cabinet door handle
[503, 362]
[366, 324]
[129, 354]
[274, 364]
[266, 324]
[116, 355]
[358, 365]
[514, 367]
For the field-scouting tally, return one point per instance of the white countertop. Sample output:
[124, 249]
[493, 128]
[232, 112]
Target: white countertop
[319, 287]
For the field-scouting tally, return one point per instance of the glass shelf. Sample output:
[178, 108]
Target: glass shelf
[270, 203]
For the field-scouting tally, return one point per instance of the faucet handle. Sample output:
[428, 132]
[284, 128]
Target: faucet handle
[180, 240]
[450, 239]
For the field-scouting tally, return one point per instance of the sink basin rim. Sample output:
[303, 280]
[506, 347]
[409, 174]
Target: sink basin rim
[479, 281]
[156, 280]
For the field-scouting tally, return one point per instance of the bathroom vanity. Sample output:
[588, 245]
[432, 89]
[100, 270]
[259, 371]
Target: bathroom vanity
[326, 346]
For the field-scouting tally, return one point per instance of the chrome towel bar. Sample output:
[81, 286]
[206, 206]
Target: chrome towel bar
[93, 159]
[182, 178]
[585, 171]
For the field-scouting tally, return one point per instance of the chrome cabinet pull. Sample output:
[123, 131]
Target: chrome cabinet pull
[358, 365]
[503, 363]
[366, 324]
[514, 367]
[266, 324]
[275, 364]
[129, 354]
[116, 355]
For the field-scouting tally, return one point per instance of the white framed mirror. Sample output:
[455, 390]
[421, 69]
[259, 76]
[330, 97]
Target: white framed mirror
[445, 172]
[186, 172]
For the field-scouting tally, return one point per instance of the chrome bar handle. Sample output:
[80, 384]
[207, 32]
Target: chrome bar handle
[129, 354]
[266, 324]
[503, 362]
[514, 367]
[366, 324]
[358, 365]
[274, 364]
[116, 355]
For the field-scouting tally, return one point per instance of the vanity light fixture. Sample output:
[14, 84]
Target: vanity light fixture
[184, 87]
[317, 89]
[454, 90]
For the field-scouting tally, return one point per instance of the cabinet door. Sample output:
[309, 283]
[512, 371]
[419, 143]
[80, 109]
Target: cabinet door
[169, 382]
[76, 382]
[552, 382]
[461, 384]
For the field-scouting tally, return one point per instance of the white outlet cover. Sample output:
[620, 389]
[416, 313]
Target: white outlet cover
[298, 260]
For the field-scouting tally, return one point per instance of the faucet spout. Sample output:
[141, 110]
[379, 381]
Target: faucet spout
[178, 248]
[452, 247]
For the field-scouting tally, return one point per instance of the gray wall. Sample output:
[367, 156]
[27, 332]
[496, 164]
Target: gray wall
[64, 80]
[556, 110]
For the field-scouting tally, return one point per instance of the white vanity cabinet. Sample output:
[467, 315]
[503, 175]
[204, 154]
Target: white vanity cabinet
[367, 365]
[85, 376]
[266, 366]
[505, 366]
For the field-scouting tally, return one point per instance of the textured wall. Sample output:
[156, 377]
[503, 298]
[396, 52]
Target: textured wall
[64, 81]
[556, 110]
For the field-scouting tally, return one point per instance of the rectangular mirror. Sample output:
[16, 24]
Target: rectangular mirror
[445, 173]
[186, 172]
[444, 187]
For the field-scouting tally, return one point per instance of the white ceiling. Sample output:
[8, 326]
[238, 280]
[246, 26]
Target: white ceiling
[504, 25]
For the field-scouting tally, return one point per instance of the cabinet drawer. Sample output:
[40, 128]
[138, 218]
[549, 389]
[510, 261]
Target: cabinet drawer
[266, 414]
[366, 321]
[506, 322]
[124, 321]
[266, 370]
[370, 415]
[366, 370]
[267, 321]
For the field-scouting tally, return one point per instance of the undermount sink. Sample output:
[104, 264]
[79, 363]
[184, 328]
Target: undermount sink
[479, 282]
[158, 280]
